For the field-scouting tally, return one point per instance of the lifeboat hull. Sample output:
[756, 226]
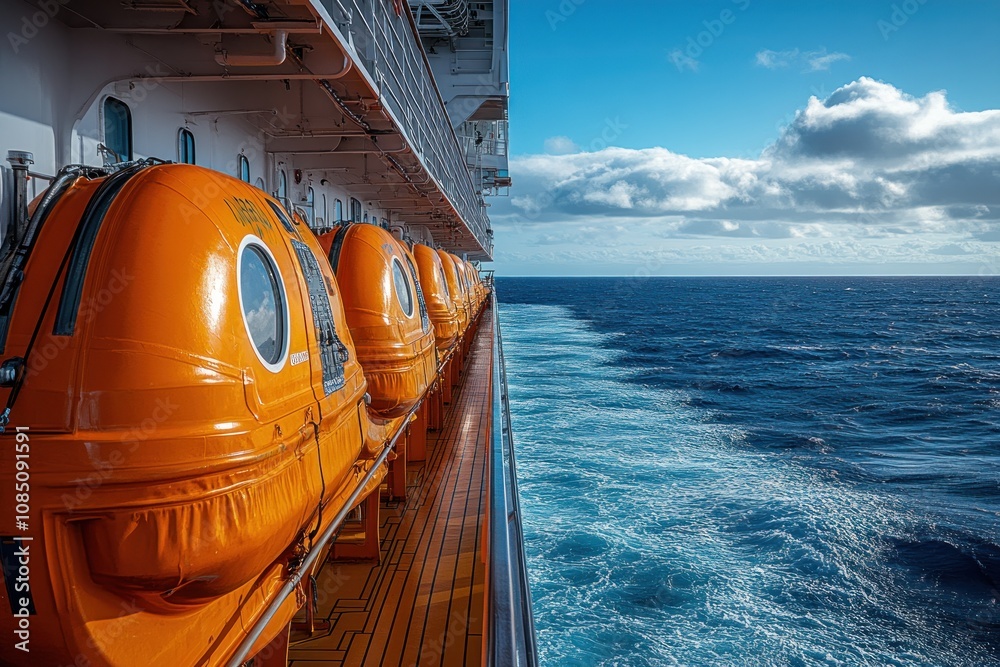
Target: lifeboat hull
[457, 288]
[183, 466]
[440, 307]
[386, 315]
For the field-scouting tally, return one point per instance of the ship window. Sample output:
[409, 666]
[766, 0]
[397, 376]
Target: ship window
[265, 312]
[185, 146]
[444, 281]
[244, 165]
[355, 210]
[338, 210]
[324, 211]
[118, 128]
[366, 216]
[282, 187]
[402, 284]
[311, 204]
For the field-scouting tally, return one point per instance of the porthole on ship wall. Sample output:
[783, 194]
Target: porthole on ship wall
[262, 302]
[244, 168]
[118, 128]
[402, 285]
[185, 146]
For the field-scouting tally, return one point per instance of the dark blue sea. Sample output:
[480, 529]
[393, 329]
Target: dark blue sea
[757, 471]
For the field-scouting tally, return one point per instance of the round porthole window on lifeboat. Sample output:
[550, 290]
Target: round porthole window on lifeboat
[262, 300]
[402, 284]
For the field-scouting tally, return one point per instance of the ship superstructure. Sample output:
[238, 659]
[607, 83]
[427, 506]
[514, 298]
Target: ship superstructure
[339, 113]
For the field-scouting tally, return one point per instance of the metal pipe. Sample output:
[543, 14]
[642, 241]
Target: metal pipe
[20, 163]
[257, 29]
[241, 77]
[233, 112]
[279, 42]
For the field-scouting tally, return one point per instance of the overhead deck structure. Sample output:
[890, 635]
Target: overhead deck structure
[340, 88]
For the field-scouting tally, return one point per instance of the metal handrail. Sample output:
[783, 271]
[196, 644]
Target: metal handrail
[390, 51]
[512, 640]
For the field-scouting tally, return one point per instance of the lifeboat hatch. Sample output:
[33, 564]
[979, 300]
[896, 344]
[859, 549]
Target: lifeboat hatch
[425, 322]
[83, 246]
[332, 351]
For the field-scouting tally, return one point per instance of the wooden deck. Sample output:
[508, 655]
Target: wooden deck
[423, 605]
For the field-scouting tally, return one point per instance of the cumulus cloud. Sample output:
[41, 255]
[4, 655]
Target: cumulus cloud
[810, 61]
[868, 162]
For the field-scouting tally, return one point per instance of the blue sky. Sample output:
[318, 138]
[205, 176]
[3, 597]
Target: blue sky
[681, 134]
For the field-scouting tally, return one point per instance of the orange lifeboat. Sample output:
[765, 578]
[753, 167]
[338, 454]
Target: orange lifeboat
[463, 278]
[196, 404]
[386, 314]
[473, 279]
[463, 271]
[440, 307]
[457, 288]
[480, 287]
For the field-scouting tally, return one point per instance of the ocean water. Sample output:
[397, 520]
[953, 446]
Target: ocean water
[739, 471]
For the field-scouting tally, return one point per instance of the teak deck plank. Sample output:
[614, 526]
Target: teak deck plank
[423, 604]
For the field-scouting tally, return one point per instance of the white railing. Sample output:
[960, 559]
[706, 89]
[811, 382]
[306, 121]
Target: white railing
[510, 636]
[387, 47]
[483, 137]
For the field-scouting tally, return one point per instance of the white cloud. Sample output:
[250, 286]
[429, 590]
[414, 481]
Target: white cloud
[810, 61]
[820, 61]
[855, 178]
[775, 59]
[560, 146]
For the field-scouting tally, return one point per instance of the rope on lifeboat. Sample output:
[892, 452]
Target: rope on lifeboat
[322, 482]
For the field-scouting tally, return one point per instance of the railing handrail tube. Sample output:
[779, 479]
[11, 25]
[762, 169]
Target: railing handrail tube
[512, 640]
